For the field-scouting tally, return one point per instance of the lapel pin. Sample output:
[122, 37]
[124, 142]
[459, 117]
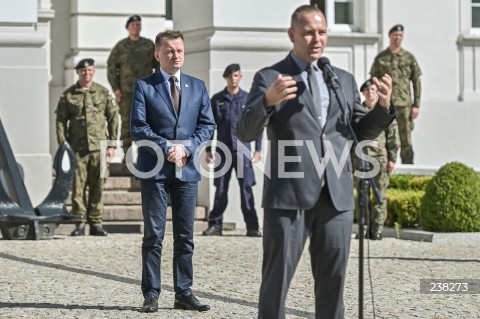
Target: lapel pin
[186, 85]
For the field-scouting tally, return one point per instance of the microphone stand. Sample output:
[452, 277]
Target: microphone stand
[363, 193]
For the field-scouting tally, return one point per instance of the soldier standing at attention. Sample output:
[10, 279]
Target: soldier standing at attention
[402, 66]
[227, 106]
[386, 154]
[130, 59]
[85, 113]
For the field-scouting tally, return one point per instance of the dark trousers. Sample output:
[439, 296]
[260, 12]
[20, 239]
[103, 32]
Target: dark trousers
[284, 235]
[215, 217]
[183, 197]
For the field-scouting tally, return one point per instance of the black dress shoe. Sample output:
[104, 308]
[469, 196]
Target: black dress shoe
[212, 231]
[78, 231]
[150, 304]
[253, 233]
[357, 236]
[190, 303]
[376, 236]
[97, 230]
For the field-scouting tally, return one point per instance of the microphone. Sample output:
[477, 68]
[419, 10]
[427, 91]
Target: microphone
[324, 65]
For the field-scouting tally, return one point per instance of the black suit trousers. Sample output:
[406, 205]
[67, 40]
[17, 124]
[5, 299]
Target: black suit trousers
[285, 235]
[183, 196]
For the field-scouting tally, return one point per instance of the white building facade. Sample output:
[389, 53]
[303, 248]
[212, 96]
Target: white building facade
[41, 41]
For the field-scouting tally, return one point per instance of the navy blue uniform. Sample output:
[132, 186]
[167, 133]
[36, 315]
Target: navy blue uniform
[227, 109]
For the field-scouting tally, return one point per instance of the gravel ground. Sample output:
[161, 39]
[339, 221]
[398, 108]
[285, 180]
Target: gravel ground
[91, 277]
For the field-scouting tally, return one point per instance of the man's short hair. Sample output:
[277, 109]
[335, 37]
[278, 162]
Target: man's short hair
[168, 34]
[301, 10]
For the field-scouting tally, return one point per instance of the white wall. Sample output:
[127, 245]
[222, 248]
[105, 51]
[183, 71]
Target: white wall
[447, 131]
[433, 43]
[90, 28]
[24, 76]
[446, 128]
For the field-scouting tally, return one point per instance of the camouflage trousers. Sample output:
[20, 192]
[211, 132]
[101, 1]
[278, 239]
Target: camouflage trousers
[378, 212]
[87, 175]
[405, 127]
[125, 106]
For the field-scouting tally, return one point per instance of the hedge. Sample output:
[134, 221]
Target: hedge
[452, 200]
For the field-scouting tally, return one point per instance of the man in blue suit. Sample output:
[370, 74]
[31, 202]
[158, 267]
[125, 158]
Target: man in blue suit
[227, 106]
[171, 118]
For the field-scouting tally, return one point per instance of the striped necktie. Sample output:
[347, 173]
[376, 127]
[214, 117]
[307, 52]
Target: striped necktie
[175, 93]
[315, 90]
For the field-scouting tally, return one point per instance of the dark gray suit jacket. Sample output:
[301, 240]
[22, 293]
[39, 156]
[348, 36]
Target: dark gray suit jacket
[295, 120]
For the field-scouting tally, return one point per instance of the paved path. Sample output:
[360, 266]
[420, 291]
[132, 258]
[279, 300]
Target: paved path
[91, 278]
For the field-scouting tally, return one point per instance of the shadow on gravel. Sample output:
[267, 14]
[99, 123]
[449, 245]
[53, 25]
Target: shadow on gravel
[127, 280]
[46, 305]
[424, 259]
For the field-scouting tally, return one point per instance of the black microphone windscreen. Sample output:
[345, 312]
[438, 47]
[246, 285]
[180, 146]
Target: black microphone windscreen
[322, 62]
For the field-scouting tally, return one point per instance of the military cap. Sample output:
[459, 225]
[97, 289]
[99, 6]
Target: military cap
[234, 67]
[397, 27]
[366, 84]
[84, 63]
[133, 19]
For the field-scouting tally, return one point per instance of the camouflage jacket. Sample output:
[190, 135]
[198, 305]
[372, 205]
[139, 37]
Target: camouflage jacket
[388, 143]
[403, 68]
[83, 116]
[129, 61]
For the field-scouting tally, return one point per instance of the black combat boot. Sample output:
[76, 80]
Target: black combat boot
[78, 231]
[97, 230]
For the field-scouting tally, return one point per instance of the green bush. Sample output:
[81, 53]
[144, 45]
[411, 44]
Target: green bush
[452, 200]
[403, 207]
[408, 182]
[420, 183]
[400, 181]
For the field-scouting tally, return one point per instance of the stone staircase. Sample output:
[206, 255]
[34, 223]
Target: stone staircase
[123, 207]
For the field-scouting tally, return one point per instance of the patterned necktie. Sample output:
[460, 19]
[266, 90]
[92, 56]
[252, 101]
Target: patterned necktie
[175, 93]
[315, 90]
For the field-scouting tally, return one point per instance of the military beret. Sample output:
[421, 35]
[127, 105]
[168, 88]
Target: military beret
[84, 63]
[132, 19]
[366, 84]
[230, 69]
[397, 27]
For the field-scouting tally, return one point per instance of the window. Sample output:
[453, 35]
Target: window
[168, 10]
[343, 12]
[340, 14]
[475, 13]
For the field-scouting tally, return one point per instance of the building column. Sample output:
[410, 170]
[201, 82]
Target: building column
[225, 32]
[24, 76]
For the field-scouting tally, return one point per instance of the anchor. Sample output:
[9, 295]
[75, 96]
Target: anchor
[18, 218]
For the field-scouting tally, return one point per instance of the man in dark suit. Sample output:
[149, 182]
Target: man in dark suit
[171, 117]
[227, 106]
[302, 198]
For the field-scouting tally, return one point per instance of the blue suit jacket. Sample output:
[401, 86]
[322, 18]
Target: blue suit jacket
[155, 123]
[227, 110]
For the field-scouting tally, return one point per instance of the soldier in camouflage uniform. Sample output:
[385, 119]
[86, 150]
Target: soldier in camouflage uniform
[403, 68]
[130, 59]
[386, 154]
[85, 113]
